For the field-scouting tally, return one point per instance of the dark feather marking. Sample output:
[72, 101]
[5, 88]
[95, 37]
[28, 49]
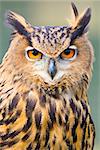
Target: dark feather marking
[37, 146]
[83, 139]
[26, 136]
[75, 109]
[2, 85]
[38, 117]
[76, 96]
[38, 38]
[14, 102]
[60, 119]
[28, 124]
[86, 146]
[42, 100]
[2, 144]
[67, 127]
[84, 105]
[37, 137]
[56, 94]
[93, 130]
[13, 118]
[84, 126]
[14, 133]
[50, 124]
[4, 113]
[70, 147]
[64, 102]
[11, 143]
[74, 135]
[1, 65]
[8, 95]
[10, 135]
[66, 118]
[85, 78]
[13, 34]
[47, 137]
[1, 122]
[83, 121]
[9, 90]
[89, 131]
[29, 147]
[64, 136]
[73, 106]
[48, 148]
[52, 112]
[85, 81]
[30, 107]
[54, 140]
[62, 35]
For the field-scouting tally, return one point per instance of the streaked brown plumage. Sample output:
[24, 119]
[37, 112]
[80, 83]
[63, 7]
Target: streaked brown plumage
[44, 79]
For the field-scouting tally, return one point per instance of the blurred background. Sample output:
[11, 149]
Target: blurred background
[58, 12]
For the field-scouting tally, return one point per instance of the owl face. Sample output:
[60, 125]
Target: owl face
[51, 54]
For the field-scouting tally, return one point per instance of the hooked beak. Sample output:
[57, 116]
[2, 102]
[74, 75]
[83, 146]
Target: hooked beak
[52, 68]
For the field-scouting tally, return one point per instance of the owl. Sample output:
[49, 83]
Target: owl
[44, 79]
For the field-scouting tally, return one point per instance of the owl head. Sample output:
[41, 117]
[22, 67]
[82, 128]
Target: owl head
[51, 55]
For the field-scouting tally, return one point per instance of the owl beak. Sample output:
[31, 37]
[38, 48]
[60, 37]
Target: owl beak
[52, 68]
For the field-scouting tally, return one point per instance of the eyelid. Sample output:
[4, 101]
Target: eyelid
[29, 48]
[71, 47]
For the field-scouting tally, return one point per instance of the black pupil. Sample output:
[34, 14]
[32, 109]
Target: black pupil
[67, 51]
[35, 52]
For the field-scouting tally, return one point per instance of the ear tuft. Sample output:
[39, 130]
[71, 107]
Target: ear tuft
[18, 23]
[85, 19]
[75, 10]
[81, 24]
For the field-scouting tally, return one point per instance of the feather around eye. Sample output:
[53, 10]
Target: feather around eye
[69, 53]
[32, 54]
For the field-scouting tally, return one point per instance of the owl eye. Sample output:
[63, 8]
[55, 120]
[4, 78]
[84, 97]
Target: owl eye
[70, 53]
[32, 54]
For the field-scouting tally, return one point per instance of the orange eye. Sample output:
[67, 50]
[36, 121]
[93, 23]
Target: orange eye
[69, 53]
[33, 54]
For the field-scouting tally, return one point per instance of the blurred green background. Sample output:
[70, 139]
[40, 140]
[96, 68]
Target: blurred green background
[58, 12]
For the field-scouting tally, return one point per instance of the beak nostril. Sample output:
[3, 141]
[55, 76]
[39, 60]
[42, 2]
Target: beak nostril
[52, 68]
